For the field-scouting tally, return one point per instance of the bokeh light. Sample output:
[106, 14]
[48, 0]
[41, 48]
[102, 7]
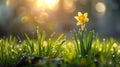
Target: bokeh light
[69, 6]
[40, 3]
[41, 18]
[47, 4]
[8, 2]
[100, 7]
[51, 3]
[25, 19]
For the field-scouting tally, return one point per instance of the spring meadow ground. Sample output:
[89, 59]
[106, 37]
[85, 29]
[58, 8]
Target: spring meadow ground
[84, 49]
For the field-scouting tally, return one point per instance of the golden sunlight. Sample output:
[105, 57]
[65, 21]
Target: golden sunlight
[7, 2]
[40, 3]
[47, 4]
[51, 3]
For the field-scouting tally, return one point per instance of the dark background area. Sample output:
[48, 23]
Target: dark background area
[18, 17]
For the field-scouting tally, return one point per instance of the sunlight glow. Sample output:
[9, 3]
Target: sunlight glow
[40, 3]
[7, 2]
[47, 4]
[51, 3]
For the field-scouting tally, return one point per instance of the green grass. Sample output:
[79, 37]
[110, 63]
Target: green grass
[85, 49]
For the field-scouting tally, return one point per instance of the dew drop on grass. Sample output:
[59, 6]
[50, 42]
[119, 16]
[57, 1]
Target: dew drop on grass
[0, 40]
[95, 60]
[113, 55]
[12, 50]
[100, 49]
[13, 57]
[20, 41]
[112, 49]
[110, 62]
[86, 55]
[20, 49]
[103, 39]
[114, 45]
[119, 51]
[17, 46]
[80, 56]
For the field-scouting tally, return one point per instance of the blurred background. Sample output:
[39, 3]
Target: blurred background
[18, 17]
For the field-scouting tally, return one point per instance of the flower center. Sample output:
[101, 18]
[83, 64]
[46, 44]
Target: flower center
[82, 18]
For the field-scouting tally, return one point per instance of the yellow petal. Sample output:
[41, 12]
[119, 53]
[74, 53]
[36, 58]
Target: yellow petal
[78, 23]
[79, 13]
[86, 14]
[86, 19]
[76, 17]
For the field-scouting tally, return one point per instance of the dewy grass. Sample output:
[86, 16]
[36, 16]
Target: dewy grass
[104, 53]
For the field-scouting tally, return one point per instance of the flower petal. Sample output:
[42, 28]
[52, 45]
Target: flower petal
[86, 19]
[76, 17]
[79, 13]
[86, 14]
[81, 19]
[78, 23]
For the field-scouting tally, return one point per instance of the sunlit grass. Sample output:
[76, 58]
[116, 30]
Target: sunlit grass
[104, 52]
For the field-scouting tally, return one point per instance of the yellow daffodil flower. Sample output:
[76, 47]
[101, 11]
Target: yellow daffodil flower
[82, 19]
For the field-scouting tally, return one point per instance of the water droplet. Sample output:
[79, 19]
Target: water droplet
[13, 57]
[20, 41]
[113, 55]
[103, 39]
[110, 62]
[20, 49]
[95, 60]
